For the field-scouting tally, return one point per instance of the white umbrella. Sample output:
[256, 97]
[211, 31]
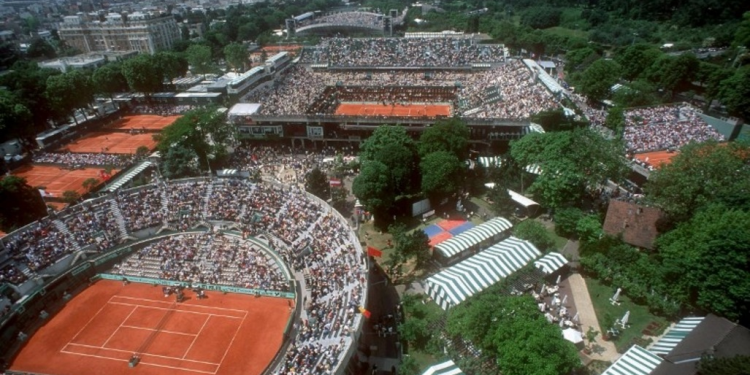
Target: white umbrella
[576, 318]
[617, 295]
[562, 323]
[558, 279]
[624, 320]
[572, 335]
[542, 290]
[565, 299]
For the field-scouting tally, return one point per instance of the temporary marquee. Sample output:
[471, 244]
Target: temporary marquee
[473, 236]
[445, 368]
[459, 282]
[551, 262]
[636, 361]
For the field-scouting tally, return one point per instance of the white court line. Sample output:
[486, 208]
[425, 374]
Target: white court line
[144, 354]
[169, 303]
[182, 311]
[230, 344]
[141, 363]
[160, 330]
[118, 327]
[196, 337]
[90, 320]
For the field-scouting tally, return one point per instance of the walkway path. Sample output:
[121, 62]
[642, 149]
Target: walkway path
[587, 315]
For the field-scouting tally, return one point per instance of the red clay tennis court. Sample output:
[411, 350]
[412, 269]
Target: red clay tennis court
[656, 158]
[111, 143]
[401, 110]
[56, 180]
[147, 122]
[100, 329]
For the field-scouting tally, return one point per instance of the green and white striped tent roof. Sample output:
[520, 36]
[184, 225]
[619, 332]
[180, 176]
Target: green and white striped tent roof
[551, 262]
[473, 236]
[461, 281]
[636, 361]
[673, 337]
[445, 368]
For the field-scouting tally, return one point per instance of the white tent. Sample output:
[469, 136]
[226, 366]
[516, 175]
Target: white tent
[473, 236]
[551, 262]
[572, 335]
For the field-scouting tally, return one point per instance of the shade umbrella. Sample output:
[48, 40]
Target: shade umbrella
[617, 295]
[572, 335]
[576, 318]
[565, 299]
[624, 320]
[558, 279]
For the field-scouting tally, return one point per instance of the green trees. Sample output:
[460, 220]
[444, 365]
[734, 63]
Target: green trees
[597, 80]
[570, 161]
[534, 232]
[13, 112]
[60, 87]
[143, 74]
[108, 80]
[707, 258]
[374, 189]
[702, 174]
[512, 328]
[171, 65]
[737, 365]
[316, 183]
[180, 161]
[635, 59]
[441, 174]
[236, 56]
[199, 58]
[450, 135]
[39, 48]
[205, 135]
[27, 205]
[735, 92]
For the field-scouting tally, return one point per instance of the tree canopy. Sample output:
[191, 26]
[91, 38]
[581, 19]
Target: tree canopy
[27, 205]
[597, 80]
[450, 135]
[700, 175]
[442, 174]
[570, 161]
[316, 183]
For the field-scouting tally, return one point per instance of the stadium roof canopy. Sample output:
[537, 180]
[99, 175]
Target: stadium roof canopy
[461, 281]
[243, 109]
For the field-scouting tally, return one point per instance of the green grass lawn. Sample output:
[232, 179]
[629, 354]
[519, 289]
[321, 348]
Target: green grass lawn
[640, 317]
[559, 241]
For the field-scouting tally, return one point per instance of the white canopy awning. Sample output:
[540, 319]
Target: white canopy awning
[473, 236]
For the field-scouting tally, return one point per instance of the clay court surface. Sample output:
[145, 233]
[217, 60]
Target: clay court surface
[148, 122]
[407, 110]
[111, 143]
[56, 180]
[656, 158]
[100, 329]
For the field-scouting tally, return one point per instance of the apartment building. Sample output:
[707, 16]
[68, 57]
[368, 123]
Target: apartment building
[141, 32]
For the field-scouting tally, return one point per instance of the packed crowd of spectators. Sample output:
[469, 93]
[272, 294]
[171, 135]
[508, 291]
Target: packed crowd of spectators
[10, 273]
[403, 52]
[665, 128]
[38, 245]
[206, 258]
[308, 235]
[79, 160]
[507, 91]
[346, 18]
[161, 109]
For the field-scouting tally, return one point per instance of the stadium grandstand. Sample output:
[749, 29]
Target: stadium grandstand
[224, 234]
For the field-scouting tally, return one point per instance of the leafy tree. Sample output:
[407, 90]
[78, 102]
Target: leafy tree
[450, 135]
[708, 255]
[541, 17]
[13, 112]
[316, 183]
[638, 93]
[199, 58]
[536, 233]
[402, 166]
[27, 205]
[416, 326]
[202, 130]
[674, 73]
[578, 59]
[635, 59]
[408, 366]
[374, 188]
[700, 175]
[143, 74]
[180, 161]
[90, 183]
[737, 365]
[441, 174]
[236, 56]
[735, 92]
[60, 87]
[171, 65]
[8, 54]
[615, 119]
[742, 34]
[40, 48]
[597, 80]
[588, 228]
[70, 196]
[566, 221]
[382, 136]
[141, 152]
[566, 159]
[109, 80]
